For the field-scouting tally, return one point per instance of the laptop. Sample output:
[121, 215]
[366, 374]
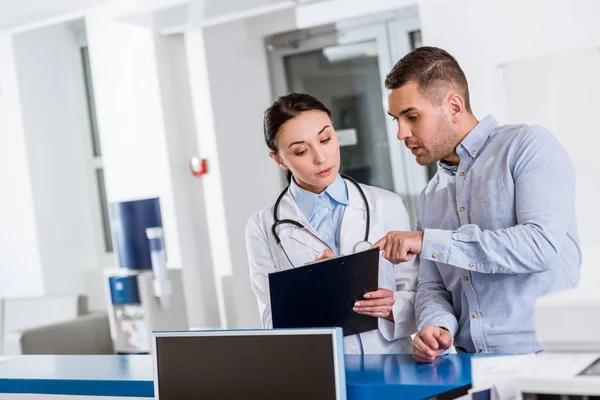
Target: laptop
[249, 364]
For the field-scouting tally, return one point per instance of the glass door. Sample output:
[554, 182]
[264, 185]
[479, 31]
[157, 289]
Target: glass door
[346, 79]
[345, 68]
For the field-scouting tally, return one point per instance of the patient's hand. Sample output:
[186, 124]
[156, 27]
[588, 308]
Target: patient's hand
[430, 343]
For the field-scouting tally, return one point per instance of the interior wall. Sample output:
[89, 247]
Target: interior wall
[55, 123]
[560, 92]
[230, 93]
[518, 29]
[20, 265]
[188, 190]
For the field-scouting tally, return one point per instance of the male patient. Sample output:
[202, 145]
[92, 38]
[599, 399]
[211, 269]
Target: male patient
[496, 224]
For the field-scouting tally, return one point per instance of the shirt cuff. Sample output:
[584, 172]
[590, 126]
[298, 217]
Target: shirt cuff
[404, 323]
[436, 245]
[386, 328]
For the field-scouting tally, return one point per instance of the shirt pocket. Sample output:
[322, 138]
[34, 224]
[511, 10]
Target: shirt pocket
[489, 205]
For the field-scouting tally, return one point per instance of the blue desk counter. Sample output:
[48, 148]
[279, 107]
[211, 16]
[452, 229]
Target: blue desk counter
[367, 377]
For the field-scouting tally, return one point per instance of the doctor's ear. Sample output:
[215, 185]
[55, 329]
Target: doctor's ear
[275, 157]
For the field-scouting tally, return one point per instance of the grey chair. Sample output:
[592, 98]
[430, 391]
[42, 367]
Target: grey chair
[89, 334]
[25, 313]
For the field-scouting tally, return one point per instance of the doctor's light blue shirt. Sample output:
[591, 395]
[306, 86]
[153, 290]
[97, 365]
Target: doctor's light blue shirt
[499, 232]
[324, 211]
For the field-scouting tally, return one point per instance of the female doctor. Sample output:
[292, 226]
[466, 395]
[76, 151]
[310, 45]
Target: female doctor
[333, 211]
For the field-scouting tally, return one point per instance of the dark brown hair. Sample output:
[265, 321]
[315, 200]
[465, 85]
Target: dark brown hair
[282, 110]
[434, 70]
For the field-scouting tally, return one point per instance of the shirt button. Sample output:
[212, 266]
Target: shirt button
[328, 233]
[471, 264]
[462, 209]
[434, 255]
[480, 351]
[327, 210]
[474, 316]
[462, 174]
[474, 152]
[466, 278]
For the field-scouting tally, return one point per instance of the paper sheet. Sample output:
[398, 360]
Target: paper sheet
[498, 373]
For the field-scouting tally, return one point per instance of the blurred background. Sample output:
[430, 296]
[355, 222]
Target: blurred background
[117, 116]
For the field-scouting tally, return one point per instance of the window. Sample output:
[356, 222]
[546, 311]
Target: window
[96, 150]
[415, 39]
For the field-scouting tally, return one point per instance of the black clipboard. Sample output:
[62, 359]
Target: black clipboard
[322, 294]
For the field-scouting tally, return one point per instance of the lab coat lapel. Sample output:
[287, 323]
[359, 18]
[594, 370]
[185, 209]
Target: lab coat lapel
[354, 220]
[289, 210]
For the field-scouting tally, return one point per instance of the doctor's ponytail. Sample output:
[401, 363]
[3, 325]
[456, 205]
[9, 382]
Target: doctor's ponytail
[282, 110]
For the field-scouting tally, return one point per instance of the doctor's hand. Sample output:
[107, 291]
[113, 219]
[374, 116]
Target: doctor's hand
[400, 246]
[378, 303]
[430, 343]
[326, 254]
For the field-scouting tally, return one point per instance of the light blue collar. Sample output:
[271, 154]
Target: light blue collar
[307, 201]
[475, 141]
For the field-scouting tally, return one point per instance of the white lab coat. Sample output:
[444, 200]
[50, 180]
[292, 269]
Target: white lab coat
[387, 214]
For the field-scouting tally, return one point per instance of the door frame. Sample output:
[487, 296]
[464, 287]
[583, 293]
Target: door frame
[391, 33]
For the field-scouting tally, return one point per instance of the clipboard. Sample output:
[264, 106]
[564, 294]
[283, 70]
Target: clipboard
[323, 293]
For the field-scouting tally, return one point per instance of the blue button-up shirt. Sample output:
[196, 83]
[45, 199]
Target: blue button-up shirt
[499, 231]
[323, 211]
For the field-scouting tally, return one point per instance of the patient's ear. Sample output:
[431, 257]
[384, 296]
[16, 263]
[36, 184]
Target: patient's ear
[457, 107]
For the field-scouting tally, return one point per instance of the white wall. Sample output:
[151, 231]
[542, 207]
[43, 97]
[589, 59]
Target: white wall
[188, 190]
[333, 11]
[55, 124]
[483, 35]
[20, 264]
[51, 235]
[560, 91]
[230, 92]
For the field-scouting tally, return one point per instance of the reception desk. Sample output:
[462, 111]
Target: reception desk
[130, 377]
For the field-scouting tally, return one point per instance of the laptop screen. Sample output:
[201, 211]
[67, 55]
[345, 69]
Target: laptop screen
[248, 364]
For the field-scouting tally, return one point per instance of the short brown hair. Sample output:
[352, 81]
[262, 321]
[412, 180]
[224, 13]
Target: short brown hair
[434, 70]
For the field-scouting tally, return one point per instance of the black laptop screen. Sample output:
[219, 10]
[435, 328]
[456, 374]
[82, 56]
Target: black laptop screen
[246, 367]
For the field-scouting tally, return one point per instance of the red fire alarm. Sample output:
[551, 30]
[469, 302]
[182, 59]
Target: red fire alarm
[198, 166]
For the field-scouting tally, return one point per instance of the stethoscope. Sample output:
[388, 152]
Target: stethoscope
[360, 246]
